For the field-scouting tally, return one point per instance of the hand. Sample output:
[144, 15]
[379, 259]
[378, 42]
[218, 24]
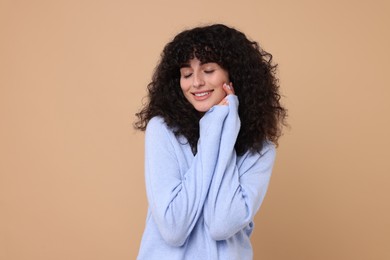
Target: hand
[229, 91]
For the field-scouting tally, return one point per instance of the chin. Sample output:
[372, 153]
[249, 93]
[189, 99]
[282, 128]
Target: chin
[202, 109]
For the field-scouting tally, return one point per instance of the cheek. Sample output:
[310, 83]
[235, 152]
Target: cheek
[185, 89]
[223, 78]
[182, 89]
[183, 85]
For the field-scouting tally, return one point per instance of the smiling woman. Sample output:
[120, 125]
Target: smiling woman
[209, 147]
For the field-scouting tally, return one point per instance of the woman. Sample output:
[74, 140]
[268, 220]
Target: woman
[212, 121]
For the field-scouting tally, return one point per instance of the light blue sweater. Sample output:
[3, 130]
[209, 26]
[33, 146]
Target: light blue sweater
[201, 207]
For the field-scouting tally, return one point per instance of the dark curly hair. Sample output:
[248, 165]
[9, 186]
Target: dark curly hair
[250, 70]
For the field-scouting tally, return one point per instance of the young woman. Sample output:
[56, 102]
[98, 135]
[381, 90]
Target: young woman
[212, 121]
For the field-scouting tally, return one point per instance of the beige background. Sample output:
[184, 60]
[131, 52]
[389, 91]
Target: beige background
[73, 73]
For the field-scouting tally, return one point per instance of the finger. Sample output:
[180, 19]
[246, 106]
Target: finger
[228, 88]
[231, 88]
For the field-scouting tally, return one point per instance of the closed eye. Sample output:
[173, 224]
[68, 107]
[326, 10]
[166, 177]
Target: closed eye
[186, 76]
[209, 71]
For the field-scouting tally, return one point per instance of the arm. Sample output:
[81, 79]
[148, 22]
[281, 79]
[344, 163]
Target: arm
[176, 202]
[236, 191]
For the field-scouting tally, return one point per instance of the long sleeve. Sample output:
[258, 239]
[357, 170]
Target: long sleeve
[175, 198]
[238, 186]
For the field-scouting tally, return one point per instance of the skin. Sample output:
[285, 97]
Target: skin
[205, 84]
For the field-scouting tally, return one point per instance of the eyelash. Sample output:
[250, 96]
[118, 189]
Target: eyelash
[205, 71]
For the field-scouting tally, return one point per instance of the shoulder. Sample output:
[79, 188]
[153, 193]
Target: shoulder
[157, 131]
[268, 153]
[268, 147]
[265, 157]
[161, 141]
[157, 125]
[156, 122]
[157, 128]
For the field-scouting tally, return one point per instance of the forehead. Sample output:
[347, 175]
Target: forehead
[196, 62]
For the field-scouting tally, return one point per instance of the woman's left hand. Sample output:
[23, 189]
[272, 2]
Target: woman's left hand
[228, 88]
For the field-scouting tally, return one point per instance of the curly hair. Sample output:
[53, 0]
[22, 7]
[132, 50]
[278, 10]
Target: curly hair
[250, 69]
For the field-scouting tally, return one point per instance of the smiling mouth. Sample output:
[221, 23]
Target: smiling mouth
[202, 94]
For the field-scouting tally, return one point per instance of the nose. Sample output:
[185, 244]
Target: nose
[198, 80]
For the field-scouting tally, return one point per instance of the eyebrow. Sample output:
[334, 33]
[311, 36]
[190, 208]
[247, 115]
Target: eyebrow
[187, 65]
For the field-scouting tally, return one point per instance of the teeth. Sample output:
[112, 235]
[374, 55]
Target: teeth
[201, 94]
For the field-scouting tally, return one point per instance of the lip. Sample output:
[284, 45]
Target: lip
[207, 94]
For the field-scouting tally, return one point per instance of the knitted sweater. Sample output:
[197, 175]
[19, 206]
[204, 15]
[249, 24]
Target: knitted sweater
[202, 206]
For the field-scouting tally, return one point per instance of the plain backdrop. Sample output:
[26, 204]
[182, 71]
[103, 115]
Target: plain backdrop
[74, 73]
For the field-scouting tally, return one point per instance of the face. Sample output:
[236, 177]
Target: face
[201, 84]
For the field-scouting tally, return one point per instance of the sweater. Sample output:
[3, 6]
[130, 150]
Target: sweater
[201, 207]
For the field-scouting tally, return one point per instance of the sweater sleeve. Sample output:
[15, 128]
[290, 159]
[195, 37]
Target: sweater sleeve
[176, 200]
[236, 191]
